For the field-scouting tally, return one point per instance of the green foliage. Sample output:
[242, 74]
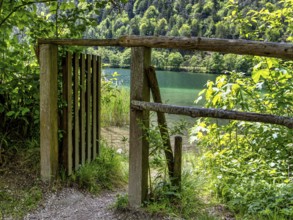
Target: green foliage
[107, 171]
[175, 59]
[20, 188]
[268, 20]
[21, 24]
[169, 200]
[115, 102]
[121, 202]
[17, 204]
[251, 163]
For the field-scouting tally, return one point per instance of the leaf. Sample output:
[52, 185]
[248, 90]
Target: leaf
[217, 98]
[260, 73]
[10, 113]
[24, 111]
[271, 62]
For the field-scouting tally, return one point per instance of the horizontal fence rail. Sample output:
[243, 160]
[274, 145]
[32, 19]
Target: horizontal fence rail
[212, 113]
[244, 47]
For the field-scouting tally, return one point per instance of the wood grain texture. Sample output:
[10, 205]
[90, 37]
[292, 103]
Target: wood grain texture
[162, 122]
[76, 142]
[139, 123]
[48, 112]
[67, 114]
[177, 161]
[82, 110]
[244, 47]
[99, 98]
[94, 107]
[89, 109]
[213, 113]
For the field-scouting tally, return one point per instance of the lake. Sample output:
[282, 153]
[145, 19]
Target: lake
[177, 88]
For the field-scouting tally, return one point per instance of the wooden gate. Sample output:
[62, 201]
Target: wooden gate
[79, 120]
[81, 89]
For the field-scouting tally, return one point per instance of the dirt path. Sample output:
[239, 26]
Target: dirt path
[118, 137]
[72, 204]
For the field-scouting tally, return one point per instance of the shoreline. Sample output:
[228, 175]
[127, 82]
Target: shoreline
[177, 69]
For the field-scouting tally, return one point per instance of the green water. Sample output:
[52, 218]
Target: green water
[177, 88]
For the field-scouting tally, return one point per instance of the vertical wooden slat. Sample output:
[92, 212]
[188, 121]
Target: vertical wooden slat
[94, 109]
[76, 111]
[67, 114]
[139, 123]
[82, 109]
[177, 161]
[48, 111]
[99, 94]
[88, 108]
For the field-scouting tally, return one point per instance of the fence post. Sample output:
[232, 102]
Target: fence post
[177, 161]
[139, 122]
[48, 111]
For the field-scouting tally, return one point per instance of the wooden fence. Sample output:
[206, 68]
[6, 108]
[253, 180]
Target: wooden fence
[81, 88]
[140, 97]
[81, 85]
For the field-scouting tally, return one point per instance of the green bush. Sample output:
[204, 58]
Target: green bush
[251, 163]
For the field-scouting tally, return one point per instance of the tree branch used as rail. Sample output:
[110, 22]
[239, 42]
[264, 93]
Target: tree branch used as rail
[244, 47]
[213, 113]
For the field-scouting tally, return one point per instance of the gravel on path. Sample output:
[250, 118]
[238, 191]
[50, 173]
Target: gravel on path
[72, 204]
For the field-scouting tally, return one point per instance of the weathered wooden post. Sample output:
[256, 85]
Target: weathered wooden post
[177, 161]
[67, 114]
[139, 121]
[48, 111]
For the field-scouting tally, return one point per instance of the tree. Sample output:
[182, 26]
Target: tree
[162, 27]
[175, 59]
[22, 22]
[185, 30]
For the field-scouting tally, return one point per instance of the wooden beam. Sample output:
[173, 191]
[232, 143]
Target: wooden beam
[48, 111]
[162, 122]
[139, 123]
[177, 162]
[76, 111]
[89, 108]
[99, 98]
[82, 109]
[80, 42]
[67, 114]
[94, 107]
[212, 113]
[244, 47]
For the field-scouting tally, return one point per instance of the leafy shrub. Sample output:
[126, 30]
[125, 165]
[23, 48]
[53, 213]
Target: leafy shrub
[251, 162]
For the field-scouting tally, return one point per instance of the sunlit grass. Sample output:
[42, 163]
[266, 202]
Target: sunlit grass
[115, 107]
[108, 171]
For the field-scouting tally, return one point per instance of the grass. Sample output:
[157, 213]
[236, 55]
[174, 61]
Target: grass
[20, 187]
[108, 171]
[115, 107]
[187, 203]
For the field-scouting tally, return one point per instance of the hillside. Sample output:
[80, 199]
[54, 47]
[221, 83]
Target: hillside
[186, 18]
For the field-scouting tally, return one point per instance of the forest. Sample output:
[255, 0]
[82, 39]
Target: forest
[244, 168]
[216, 19]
